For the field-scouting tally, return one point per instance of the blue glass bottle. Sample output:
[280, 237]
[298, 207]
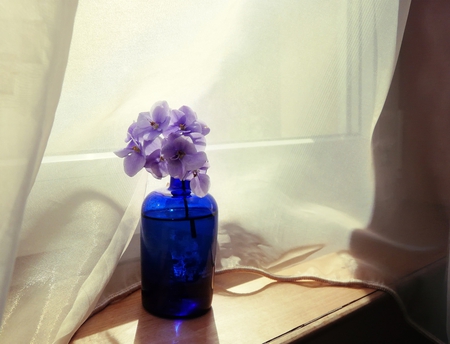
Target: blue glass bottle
[178, 248]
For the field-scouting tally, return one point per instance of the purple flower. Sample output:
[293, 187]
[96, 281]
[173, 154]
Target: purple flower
[134, 157]
[199, 180]
[181, 156]
[184, 122]
[204, 128]
[199, 141]
[155, 162]
[130, 132]
[151, 124]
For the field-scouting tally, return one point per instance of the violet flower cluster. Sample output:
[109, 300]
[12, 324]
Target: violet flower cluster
[171, 142]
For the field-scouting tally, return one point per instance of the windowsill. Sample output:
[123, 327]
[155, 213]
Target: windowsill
[281, 311]
[251, 309]
[257, 310]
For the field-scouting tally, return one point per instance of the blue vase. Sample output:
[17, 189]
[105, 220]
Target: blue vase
[178, 248]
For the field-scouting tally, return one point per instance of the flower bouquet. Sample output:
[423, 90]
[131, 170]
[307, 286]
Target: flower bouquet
[171, 142]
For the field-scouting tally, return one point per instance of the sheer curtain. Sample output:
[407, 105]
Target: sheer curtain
[291, 90]
[34, 46]
[406, 241]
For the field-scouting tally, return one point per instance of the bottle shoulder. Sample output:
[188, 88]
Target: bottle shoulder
[161, 203]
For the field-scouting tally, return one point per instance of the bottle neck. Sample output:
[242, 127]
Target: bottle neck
[179, 187]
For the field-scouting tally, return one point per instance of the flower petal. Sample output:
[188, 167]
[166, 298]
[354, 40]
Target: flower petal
[175, 169]
[194, 161]
[122, 153]
[177, 117]
[133, 163]
[158, 169]
[191, 116]
[205, 128]
[160, 112]
[199, 141]
[200, 185]
[143, 120]
[151, 146]
[130, 132]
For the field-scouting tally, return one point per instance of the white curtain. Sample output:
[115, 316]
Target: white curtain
[34, 45]
[406, 242]
[291, 91]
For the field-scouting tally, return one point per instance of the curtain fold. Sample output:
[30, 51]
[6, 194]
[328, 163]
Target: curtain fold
[410, 222]
[291, 91]
[34, 47]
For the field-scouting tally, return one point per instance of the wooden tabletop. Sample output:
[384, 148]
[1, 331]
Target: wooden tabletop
[245, 310]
